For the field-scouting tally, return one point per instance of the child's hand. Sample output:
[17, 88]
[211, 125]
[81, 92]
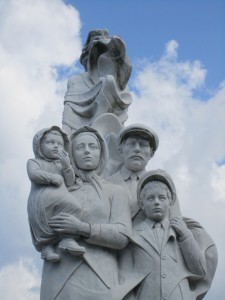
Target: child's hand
[65, 161]
[179, 226]
[57, 180]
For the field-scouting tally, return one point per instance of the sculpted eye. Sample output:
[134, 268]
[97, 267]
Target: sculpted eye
[143, 145]
[150, 198]
[50, 142]
[80, 147]
[93, 146]
[131, 144]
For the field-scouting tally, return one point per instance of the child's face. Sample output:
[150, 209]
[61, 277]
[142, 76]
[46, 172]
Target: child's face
[155, 203]
[52, 145]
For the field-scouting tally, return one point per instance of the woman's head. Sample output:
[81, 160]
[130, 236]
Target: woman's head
[88, 150]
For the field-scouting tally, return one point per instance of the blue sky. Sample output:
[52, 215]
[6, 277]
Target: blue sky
[178, 86]
[147, 25]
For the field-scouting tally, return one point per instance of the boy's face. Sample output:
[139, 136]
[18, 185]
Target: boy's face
[155, 203]
[52, 145]
[136, 153]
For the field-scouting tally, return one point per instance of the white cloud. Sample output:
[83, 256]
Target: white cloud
[20, 281]
[171, 48]
[36, 37]
[191, 138]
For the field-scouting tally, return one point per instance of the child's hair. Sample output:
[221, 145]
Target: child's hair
[155, 184]
[52, 131]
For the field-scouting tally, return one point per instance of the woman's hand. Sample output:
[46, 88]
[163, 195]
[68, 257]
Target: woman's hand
[65, 223]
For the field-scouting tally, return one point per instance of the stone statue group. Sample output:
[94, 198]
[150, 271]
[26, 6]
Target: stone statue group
[105, 227]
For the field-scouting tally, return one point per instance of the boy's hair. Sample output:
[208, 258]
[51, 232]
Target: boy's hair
[155, 184]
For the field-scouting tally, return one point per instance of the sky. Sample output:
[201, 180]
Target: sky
[178, 86]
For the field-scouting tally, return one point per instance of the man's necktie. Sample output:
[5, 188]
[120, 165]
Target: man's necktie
[133, 192]
[158, 233]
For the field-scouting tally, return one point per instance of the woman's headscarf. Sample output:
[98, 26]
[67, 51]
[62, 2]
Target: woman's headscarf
[92, 176]
[38, 138]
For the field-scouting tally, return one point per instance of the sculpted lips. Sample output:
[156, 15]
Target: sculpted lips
[157, 210]
[136, 157]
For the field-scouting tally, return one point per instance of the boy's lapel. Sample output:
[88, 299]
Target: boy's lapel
[169, 243]
[145, 234]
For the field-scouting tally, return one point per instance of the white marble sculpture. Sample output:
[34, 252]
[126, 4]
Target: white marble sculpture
[106, 228]
[137, 144]
[177, 255]
[51, 173]
[102, 88]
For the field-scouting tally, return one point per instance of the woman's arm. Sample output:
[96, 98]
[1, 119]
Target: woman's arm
[116, 233]
[112, 235]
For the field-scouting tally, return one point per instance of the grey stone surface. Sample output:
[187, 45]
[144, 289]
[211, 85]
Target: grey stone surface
[105, 227]
[102, 88]
[50, 173]
[137, 144]
[176, 254]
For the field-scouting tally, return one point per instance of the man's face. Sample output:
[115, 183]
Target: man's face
[136, 153]
[155, 203]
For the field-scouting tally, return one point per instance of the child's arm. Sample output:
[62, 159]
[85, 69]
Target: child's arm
[67, 169]
[193, 256]
[39, 176]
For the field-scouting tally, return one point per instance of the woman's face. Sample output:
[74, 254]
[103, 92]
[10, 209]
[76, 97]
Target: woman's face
[86, 152]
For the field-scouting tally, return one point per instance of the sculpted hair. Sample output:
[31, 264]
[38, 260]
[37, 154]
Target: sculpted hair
[155, 184]
[52, 131]
[85, 50]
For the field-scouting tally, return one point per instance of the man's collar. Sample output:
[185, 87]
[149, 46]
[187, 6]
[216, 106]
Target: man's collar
[151, 223]
[126, 174]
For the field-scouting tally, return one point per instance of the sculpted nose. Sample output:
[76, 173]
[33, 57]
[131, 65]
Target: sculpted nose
[156, 202]
[86, 150]
[137, 147]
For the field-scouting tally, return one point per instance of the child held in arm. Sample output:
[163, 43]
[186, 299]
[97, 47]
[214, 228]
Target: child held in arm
[50, 173]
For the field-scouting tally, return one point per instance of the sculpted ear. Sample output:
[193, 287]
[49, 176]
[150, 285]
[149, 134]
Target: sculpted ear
[152, 153]
[121, 149]
[141, 205]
